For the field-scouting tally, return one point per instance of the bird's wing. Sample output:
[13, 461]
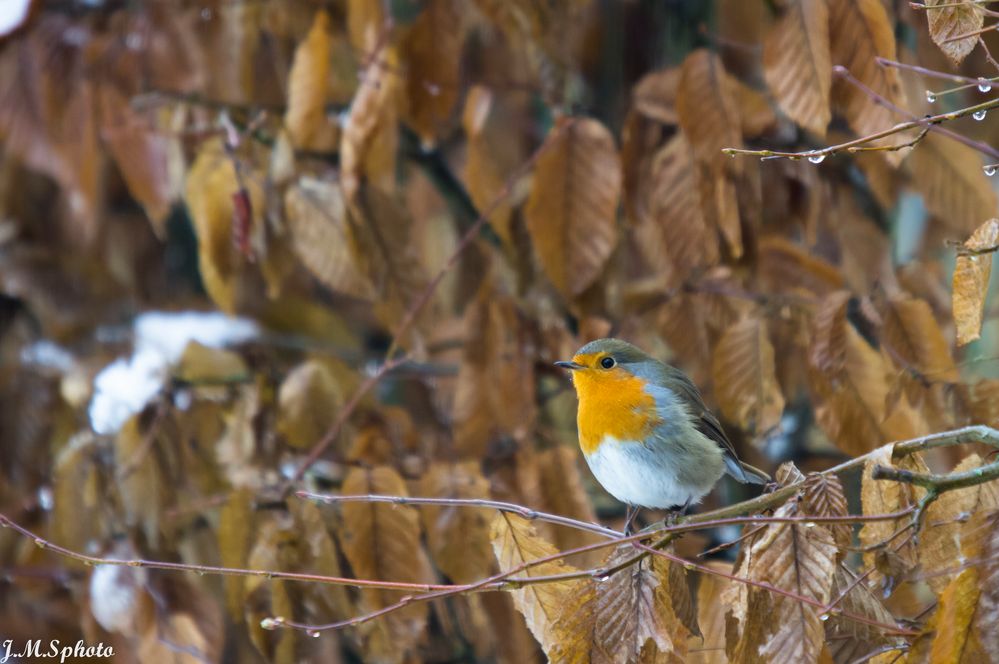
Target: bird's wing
[705, 421]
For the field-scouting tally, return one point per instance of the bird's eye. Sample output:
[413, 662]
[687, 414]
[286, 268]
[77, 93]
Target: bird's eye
[607, 362]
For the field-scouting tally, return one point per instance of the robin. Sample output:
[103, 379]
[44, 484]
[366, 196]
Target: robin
[645, 431]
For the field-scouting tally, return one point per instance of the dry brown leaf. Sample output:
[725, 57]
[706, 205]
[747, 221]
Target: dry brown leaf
[950, 177]
[141, 153]
[745, 379]
[911, 330]
[711, 608]
[852, 402]
[308, 401]
[942, 537]
[495, 389]
[849, 639]
[572, 210]
[515, 542]
[654, 96]
[800, 560]
[672, 233]
[951, 21]
[562, 488]
[860, 31]
[432, 52]
[787, 267]
[323, 238]
[319, 555]
[707, 110]
[382, 542]
[711, 121]
[458, 537]
[971, 281]
[202, 364]
[305, 118]
[981, 542]
[886, 497]
[823, 496]
[370, 137]
[797, 66]
[611, 621]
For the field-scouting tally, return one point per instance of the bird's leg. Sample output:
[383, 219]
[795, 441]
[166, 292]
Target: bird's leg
[629, 519]
[675, 515]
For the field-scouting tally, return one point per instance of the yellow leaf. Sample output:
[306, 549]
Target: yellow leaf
[308, 81]
[981, 542]
[949, 22]
[797, 66]
[201, 364]
[571, 212]
[954, 618]
[971, 281]
[308, 401]
[233, 531]
[432, 51]
[745, 377]
[515, 542]
[323, 237]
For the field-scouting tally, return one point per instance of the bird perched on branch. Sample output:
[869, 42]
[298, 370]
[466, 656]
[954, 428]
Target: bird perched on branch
[645, 431]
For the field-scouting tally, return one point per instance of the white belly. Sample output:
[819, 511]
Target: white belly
[637, 475]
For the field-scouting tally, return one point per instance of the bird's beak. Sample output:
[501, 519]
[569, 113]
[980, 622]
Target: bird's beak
[572, 366]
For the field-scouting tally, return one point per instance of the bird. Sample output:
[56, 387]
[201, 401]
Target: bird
[645, 432]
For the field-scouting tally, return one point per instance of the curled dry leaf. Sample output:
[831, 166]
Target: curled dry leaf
[950, 21]
[860, 32]
[797, 66]
[572, 210]
[654, 96]
[950, 177]
[305, 118]
[458, 537]
[953, 642]
[711, 607]
[745, 377]
[432, 51]
[788, 267]
[971, 281]
[614, 620]
[382, 541]
[515, 542]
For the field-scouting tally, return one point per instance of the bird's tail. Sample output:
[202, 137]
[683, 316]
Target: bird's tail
[747, 474]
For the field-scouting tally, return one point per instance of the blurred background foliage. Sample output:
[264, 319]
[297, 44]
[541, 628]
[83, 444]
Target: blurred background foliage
[322, 169]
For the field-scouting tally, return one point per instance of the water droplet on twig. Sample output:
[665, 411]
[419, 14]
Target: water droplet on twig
[989, 170]
[817, 159]
[930, 96]
[984, 85]
[979, 115]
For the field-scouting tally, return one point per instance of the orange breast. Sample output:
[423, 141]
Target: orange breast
[613, 403]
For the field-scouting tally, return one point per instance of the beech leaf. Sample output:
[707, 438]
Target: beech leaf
[971, 281]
